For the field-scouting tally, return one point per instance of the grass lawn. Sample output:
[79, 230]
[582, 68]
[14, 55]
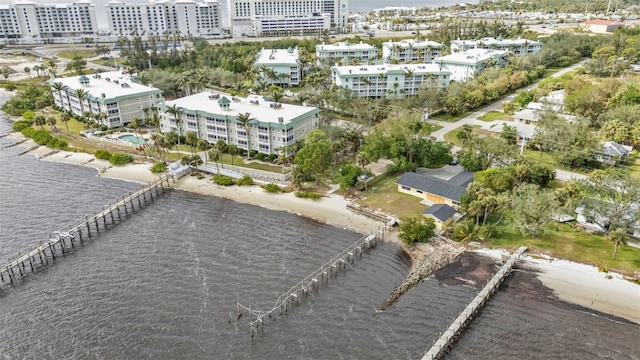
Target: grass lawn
[450, 118]
[109, 62]
[384, 195]
[451, 135]
[22, 84]
[83, 53]
[546, 158]
[633, 164]
[495, 115]
[571, 244]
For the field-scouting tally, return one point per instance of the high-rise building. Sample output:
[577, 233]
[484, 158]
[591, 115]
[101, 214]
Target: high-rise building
[30, 20]
[184, 17]
[243, 13]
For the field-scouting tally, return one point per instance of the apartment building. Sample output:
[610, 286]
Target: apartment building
[390, 80]
[111, 93]
[268, 26]
[213, 116]
[339, 52]
[244, 13]
[183, 17]
[515, 46]
[410, 51]
[469, 64]
[30, 20]
[279, 67]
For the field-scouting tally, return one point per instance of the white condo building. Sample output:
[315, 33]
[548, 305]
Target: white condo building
[331, 53]
[284, 65]
[245, 14]
[391, 81]
[183, 17]
[515, 46]
[213, 116]
[268, 26]
[29, 20]
[468, 64]
[111, 93]
[407, 51]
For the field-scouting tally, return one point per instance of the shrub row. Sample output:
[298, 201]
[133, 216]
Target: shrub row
[308, 195]
[119, 159]
[43, 137]
[102, 154]
[272, 188]
[223, 180]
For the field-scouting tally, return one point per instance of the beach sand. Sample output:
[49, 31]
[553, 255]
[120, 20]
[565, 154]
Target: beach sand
[572, 282]
[582, 284]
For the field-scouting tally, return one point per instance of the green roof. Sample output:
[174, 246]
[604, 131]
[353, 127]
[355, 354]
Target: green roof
[224, 100]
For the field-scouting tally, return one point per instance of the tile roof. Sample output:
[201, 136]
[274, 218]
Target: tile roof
[450, 189]
[442, 212]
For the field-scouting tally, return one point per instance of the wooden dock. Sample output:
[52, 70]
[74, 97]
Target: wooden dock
[63, 241]
[312, 281]
[446, 340]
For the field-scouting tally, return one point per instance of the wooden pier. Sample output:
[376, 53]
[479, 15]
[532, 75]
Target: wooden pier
[63, 241]
[446, 340]
[298, 291]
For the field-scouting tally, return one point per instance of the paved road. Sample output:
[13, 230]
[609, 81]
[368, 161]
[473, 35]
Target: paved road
[472, 119]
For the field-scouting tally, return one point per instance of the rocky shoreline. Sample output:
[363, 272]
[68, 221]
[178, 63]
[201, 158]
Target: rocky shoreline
[426, 260]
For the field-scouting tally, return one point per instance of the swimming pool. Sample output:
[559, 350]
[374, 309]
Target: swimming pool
[132, 139]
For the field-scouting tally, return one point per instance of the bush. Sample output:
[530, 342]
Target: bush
[272, 157]
[223, 180]
[43, 137]
[20, 125]
[158, 168]
[119, 159]
[308, 195]
[253, 153]
[10, 87]
[102, 155]
[199, 176]
[261, 156]
[246, 180]
[104, 128]
[272, 188]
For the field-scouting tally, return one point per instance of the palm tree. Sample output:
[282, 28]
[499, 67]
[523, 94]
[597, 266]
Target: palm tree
[65, 117]
[81, 94]
[215, 155]
[51, 121]
[283, 157]
[617, 237]
[177, 112]
[233, 151]
[57, 86]
[40, 120]
[301, 98]
[277, 95]
[245, 121]
[134, 125]
[203, 145]
[27, 70]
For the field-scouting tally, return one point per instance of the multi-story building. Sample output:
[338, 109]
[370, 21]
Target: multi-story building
[30, 20]
[394, 11]
[110, 93]
[279, 66]
[468, 64]
[214, 116]
[407, 51]
[183, 17]
[391, 81]
[267, 26]
[515, 46]
[339, 52]
[243, 13]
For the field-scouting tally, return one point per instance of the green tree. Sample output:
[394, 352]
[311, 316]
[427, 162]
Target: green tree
[65, 117]
[316, 155]
[203, 146]
[617, 237]
[191, 139]
[233, 151]
[40, 120]
[51, 122]
[416, 229]
[215, 155]
[532, 208]
[177, 112]
[245, 121]
[135, 125]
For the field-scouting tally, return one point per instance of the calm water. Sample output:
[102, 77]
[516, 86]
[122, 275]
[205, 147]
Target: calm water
[164, 283]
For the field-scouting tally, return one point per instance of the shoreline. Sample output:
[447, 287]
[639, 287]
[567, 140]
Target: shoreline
[580, 284]
[572, 282]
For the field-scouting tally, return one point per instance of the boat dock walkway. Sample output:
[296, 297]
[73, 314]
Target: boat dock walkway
[63, 241]
[312, 281]
[444, 343]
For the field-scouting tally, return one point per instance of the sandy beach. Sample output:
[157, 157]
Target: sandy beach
[572, 282]
[583, 284]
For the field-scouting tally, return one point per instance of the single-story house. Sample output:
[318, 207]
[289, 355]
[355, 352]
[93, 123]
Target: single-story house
[531, 115]
[597, 224]
[600, 26]
[611, 152]
[433, 189]
[525, 131]
[442, 215]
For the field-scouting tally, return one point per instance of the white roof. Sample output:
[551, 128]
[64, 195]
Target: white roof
[260, 111]
[277, 56]
[111, 89]
[413, 43]
[472, 56]
[523, 130]
[491, 40]
[386, 68]
[345, 46]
